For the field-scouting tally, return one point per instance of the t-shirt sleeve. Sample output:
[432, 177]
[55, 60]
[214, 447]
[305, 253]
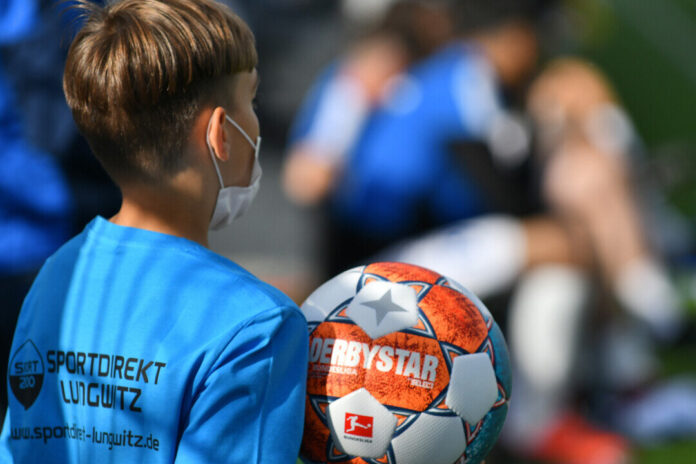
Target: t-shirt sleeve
[250, 407]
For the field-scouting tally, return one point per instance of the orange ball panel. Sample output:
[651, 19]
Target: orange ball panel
[393, 388]
[399, 272]
[456, 319]
[356, 461]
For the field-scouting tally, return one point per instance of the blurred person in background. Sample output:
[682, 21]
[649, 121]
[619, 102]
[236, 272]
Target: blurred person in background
[588, 148]
[374, 136]
[612, 312]
[36, 204]
[621, 290]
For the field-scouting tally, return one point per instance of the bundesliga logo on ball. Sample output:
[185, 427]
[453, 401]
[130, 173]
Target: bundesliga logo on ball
[405, 367]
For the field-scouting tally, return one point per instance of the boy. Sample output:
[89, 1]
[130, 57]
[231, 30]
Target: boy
[136, 343]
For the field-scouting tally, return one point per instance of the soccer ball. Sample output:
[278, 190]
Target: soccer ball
[405, 367]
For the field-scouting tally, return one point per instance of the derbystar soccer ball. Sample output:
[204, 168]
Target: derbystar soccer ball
[405, 367]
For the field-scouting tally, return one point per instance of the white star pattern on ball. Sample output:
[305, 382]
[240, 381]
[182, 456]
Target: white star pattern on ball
[380, 308]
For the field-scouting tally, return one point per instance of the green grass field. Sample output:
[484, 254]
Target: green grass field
[676, 453]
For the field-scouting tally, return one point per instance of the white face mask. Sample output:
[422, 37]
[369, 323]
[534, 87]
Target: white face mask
[232, 202]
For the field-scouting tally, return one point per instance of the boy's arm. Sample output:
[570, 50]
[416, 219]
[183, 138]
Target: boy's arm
[250, 408]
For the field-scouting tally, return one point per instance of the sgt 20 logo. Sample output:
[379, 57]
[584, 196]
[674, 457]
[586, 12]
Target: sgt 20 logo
[26, 373]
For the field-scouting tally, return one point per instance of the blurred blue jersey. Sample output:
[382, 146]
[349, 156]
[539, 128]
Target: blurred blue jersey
[400, 168]
[135, 346]
[35, 203]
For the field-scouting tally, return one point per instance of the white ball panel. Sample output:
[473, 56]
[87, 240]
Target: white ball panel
[325, 298]
[431, 439]
[360, 425]
[473, 388]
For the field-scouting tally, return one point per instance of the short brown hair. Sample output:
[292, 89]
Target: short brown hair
[139, 72]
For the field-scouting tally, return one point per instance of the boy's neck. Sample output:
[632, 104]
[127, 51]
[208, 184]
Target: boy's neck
[167, 212]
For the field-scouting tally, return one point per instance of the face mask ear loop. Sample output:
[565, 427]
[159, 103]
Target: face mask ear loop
[242, 131]
[212, 153]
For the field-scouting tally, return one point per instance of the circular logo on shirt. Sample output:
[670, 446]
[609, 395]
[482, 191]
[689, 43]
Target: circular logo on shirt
[26, 373]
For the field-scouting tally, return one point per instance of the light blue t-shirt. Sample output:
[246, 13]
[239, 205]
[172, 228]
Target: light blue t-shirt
[135, 346]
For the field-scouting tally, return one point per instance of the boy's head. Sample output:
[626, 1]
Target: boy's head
[140, 71]
[507, 30]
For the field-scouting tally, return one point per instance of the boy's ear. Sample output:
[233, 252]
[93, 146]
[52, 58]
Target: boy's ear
[217, 135]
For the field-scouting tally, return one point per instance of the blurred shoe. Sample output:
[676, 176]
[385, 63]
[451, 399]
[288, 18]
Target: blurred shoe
[666, 412]
[572, 440]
